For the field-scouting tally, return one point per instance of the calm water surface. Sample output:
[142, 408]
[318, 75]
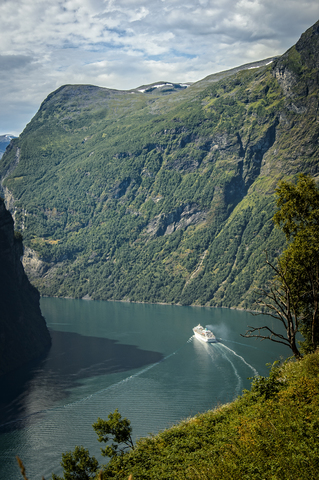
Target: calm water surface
[141, 359]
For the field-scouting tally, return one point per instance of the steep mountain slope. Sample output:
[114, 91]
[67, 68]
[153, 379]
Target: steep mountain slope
[164, 194]
[23, 332]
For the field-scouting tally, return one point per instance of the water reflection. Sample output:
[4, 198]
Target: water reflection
[72, 357]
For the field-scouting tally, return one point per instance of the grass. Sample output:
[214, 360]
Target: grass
[270, 432]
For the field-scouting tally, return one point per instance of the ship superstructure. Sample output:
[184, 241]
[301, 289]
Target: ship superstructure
[204, 334]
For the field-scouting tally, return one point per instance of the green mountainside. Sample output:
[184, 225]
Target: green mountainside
[164, 193]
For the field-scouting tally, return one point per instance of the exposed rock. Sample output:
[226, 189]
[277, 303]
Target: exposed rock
[184, 163]
[183, 217]
[7, 172]
[255, 152]
[23, 332]
[87, 297]
[32, 263]
[120, 188]
[9, 199]
[286, 79]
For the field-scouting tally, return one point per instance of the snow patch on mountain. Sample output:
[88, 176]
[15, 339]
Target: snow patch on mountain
[4, 142]
[163, 85]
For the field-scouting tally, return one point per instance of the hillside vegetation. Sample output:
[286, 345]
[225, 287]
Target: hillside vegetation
[269, 432]
[165, 194]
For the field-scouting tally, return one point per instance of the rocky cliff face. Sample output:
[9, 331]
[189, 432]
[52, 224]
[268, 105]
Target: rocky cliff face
[23, 332]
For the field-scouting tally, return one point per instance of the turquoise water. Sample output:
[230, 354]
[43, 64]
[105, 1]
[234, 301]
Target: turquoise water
[141, 359]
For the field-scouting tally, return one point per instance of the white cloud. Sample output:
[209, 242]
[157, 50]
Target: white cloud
[127, 43]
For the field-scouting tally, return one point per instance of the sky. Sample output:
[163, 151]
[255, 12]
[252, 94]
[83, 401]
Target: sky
[123, 44]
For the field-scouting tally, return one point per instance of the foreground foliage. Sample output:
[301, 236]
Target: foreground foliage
[115, 429]
[270, 432]
[78, 465]
[292, 296]
[299, 218]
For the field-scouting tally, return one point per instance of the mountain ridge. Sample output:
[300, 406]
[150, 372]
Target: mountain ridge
[120, 195]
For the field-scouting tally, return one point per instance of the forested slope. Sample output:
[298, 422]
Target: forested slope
[164, 194]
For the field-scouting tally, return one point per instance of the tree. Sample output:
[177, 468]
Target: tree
[298, 206]
[279, 302]
[117, 430]
[298, 217]
[292, 296]
[302, 263]
[78, 465]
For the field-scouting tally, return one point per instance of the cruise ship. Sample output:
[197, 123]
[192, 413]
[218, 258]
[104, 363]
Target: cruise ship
[204, 334]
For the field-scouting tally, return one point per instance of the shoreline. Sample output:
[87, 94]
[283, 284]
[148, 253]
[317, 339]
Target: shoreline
[87, 299]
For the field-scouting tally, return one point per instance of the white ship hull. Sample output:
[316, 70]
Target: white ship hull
[204, 335]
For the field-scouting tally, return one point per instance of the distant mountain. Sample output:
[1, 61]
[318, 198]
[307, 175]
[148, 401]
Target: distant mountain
[4, 142]
[164, 193]
[23, 332]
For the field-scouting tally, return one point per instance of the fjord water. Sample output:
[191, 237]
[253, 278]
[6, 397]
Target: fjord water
[139, 358]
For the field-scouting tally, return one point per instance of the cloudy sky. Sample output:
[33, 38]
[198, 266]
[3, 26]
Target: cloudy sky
[126, 43]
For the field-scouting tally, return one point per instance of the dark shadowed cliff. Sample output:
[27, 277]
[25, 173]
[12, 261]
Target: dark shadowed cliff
[23, 332]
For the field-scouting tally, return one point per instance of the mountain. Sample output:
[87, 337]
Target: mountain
[4, 142]
[23, 332]
[164, 193]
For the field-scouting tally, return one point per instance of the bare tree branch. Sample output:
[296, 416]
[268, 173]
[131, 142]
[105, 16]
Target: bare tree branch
[249, 334]
[280, 303]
